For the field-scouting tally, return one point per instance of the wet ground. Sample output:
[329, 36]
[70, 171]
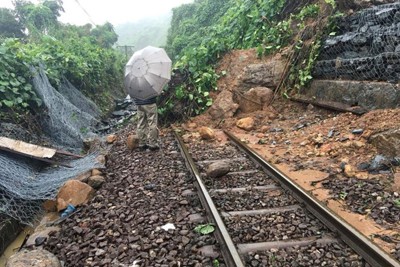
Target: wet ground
[321, 151]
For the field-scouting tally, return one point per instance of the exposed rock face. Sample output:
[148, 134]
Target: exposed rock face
[73, 192]
[263, 74]
[34, 258]
[387, 143]
[206, 133]
[255, 99]
[218, 169]
[246, 124]
[224, 106]
[368, 95]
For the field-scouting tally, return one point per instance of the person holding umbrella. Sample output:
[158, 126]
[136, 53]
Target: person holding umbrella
[146, 73]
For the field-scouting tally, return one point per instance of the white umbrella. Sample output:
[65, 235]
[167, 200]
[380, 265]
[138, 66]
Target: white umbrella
[147, 72]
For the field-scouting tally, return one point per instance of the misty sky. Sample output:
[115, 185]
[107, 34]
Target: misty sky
[114, 11]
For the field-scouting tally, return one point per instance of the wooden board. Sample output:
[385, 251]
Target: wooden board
[24, 148]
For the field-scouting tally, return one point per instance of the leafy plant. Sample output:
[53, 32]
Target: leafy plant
[342, 195]
[332, 26]
[309, 11]
[303, 75]
[397, 202]
[204, 229]
[15, 90]
[216, 263]
[332, 3]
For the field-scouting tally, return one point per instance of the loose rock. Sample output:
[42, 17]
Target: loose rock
[218, 169]
[96, 181]
[75, 193]
[206, 133]
[245, 123]
[37, 258]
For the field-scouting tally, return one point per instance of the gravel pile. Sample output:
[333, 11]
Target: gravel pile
[124, 222]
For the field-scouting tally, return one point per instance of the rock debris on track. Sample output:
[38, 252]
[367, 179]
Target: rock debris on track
[122, 223]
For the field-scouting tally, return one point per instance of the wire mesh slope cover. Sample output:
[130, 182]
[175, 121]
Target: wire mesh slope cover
[78, 99]
[64, 123]
[24, 186]
[367, 47]
[147, 72]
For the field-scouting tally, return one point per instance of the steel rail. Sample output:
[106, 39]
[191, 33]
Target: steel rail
[358, 242]
[229, 251]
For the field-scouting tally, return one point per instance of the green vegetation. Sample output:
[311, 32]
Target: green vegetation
[15, 90]
[202, 32]
[82, 54]
[199, 35]
[397, 202]
[205, 229]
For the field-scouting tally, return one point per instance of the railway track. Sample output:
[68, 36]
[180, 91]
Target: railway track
[262, 218]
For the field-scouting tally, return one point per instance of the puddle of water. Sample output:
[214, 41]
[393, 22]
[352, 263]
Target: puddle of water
[13, 247]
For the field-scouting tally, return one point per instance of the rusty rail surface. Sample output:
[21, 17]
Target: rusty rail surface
[358, 242]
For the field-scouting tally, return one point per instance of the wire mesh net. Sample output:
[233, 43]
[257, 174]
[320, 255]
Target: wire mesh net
[78, 99]
[24, 185]
[66, 124]
[366, 47]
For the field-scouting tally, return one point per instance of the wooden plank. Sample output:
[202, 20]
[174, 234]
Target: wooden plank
[66, 153]
[38, 158]
[26, 148]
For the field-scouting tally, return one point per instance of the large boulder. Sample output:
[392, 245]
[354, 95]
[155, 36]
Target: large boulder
[224, 106]
[263, 74]
[33, 258]
[257, 98]
[387, 143]
[73, 192]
